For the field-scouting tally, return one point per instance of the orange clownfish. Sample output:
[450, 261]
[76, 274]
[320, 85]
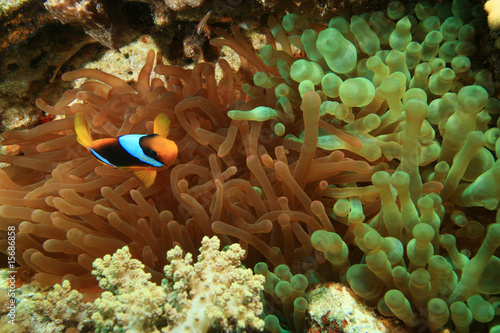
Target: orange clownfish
[142, 154]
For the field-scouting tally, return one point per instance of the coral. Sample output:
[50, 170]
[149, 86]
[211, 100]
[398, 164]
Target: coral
[59, 308]
[216, 291]
[492, 7]
[99, 18]
[16, 317]
[131, 302]
[361, 168]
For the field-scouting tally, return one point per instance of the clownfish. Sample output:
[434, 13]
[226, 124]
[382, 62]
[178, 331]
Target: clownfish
[142, 154]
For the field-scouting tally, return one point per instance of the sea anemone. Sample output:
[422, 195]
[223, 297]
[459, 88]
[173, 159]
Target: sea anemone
[70, 209]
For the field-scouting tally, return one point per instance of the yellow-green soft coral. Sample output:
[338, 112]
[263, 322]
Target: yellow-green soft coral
[58, 309]
[216, 291]
[493, 9]
[131, 302]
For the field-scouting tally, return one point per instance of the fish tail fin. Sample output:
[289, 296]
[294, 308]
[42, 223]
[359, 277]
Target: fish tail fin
[161, 125]
[82, 130]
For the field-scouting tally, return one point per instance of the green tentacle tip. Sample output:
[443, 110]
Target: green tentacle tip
[322, 240]
[401, 36]
[261, 113]
[357, 92]
[396, 10]
[294, 21]
[460, 64]
[331, 85]
[279, 129]
[306, 70]
[272, 324]
[472, 98]
[481, 310]
[283, 289]
[339, 53]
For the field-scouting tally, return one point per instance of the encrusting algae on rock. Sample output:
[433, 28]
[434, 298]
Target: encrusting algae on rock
[365, 151]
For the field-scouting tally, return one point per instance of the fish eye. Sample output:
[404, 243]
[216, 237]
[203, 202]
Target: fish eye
[151, 153]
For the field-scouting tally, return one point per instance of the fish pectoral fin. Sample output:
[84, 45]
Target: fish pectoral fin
[82, 130]
[161, 125]
[146, 176]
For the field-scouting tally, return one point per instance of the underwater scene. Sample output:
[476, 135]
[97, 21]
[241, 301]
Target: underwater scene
[249, 166]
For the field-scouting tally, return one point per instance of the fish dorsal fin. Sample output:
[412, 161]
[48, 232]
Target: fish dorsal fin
[161, 125]
[146, 176]
[82, 130]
